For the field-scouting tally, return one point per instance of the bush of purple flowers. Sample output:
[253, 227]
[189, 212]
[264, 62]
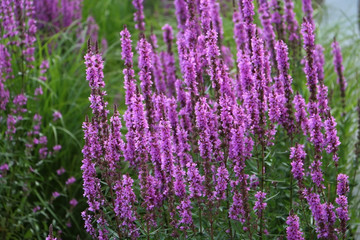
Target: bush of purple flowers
[34, 190]
[215, 142]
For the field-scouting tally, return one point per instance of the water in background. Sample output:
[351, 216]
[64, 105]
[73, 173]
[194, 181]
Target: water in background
[344, 12]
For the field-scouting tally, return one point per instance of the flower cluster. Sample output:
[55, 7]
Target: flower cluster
[194, 137]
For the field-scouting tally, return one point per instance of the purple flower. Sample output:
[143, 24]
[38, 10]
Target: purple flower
[308, 11]
[166, 149]
[68, 224]
[185, 214]
[139, 15]
[195, 181]
[5, 68]
[343, 184]
[292, 24]
[168, 60]
[94, 66]
[222, 179]
[57, 148]
[114, 145]
[43, 152]
[307, 30]
[319, 213]
[216, 18]
[209, 142]
[11, 129]
[316, 173]
[248, 17]
[237, 209]
[70, 181]
[145, 66]
[268, 31]
[342, 212]
[50, 236]
[316, 136]
[47, 11]
[239, 31]
[181, 13]
[188, 67]
[179, 185]
[9, 23]
[301, 115]
[150, 190]
[212, 49]
[43, 140]
[36, 209]
[55, 194]
[158, 68]
[260, 205]
[124, 205]
[205, 17]
[254, 181]
[60, 171]
[277, 18]
[320, 61]
[4, 167]
[331, 139]
[43, 69]
[19, 101]
[92, 28]
[297, 154]
[95, 76]
[129, 74]
[284, 82]
[28, 37]
[71, 11]
[91, 184]
[38, 91]
[293, 230]
[73, 202]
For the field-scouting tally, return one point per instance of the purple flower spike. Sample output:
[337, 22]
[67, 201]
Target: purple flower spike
[260, 205]
[339, 69]
[139, 14]
[195, 180]
[124, 202]
[5, 69]
[342, 201]
[268, 32]
[239, 31]
[301, 115]
[290, 19]
[319, 213]
[285, 80]
[277, 18]
[129, 74]
[308, 11]
[185, 214]
[50, 236]
[310, 69]
[221, 183]
[293, 230]
[297, 154]
[145, 65]
[181, 13]
[331, 139]
[343, 184]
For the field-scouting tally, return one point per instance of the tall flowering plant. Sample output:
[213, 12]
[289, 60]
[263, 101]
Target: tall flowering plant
[30, 136]
[199, 153]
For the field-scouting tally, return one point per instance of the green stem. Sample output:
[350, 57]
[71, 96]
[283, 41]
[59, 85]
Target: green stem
[200, 220]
